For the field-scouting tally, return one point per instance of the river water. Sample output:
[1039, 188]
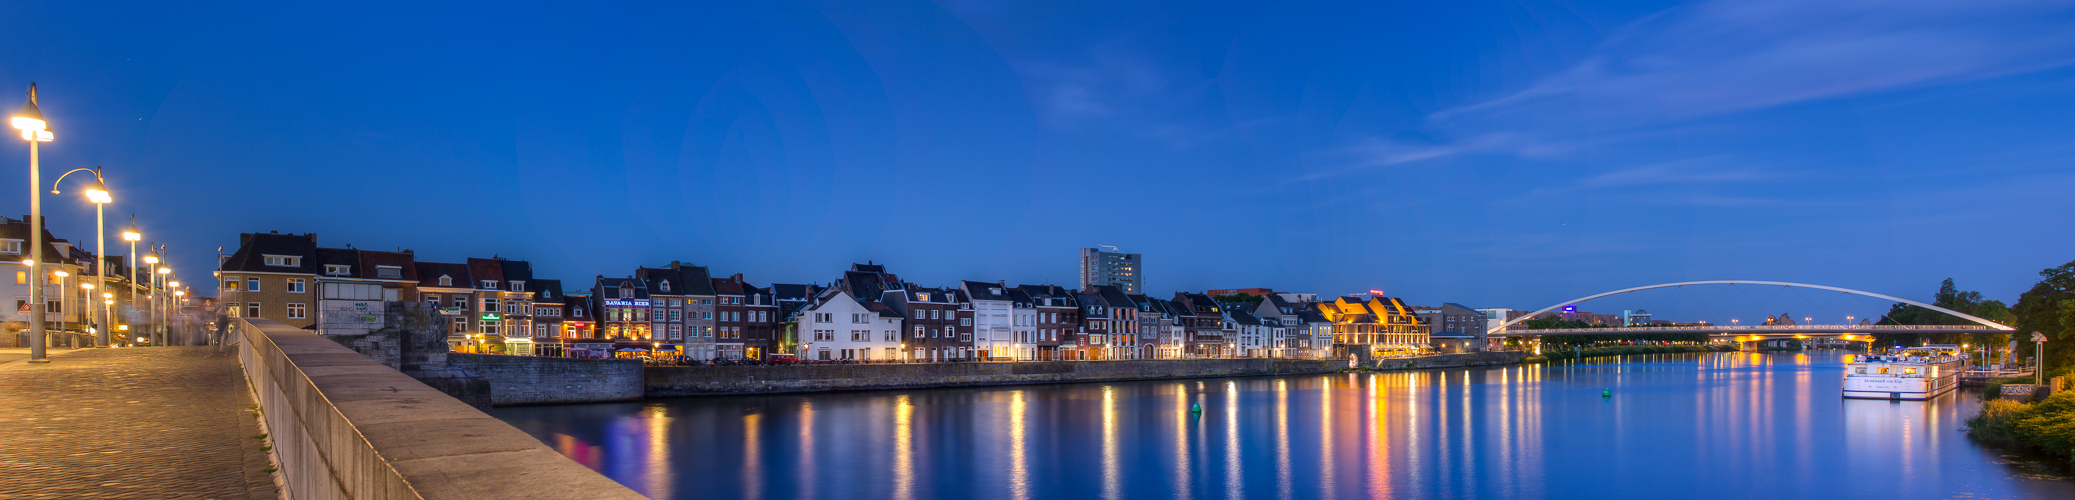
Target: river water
[1723, 425]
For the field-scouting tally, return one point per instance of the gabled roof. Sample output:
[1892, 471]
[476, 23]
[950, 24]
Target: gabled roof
[1041, 292]
[1020, 297]
[485, 270]
[664, 281]
[885, 311]
[1091, 299]
[1240, 316]
[981, 290]
[608, 288]
[792, 292]
[727, 286]
[372, 260]
[1115, 296]
[252, 251]
[430, 272]
[516, 270]
[338, 257]
[548, 291]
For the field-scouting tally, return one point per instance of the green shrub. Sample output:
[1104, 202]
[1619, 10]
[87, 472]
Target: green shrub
[2046, 427]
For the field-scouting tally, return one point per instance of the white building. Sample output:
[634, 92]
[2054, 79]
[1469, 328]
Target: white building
[993, 318]
[838, 326]
[1023, 316]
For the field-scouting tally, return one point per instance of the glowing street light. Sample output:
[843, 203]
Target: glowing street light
[97, 193]
[29, 119]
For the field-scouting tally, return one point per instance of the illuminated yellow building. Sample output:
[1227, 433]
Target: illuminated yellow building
[1376, 324]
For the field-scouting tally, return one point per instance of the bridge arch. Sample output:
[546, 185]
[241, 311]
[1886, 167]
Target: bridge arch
[1991, 324]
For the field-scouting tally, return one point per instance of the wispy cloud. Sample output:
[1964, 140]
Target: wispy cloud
[1725, 57]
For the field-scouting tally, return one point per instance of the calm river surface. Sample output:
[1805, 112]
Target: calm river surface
[1690, 426]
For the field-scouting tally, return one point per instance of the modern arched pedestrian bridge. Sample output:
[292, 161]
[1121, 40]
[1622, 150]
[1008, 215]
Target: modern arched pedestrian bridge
[1761, 331]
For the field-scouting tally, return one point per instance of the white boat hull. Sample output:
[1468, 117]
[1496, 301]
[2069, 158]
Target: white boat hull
[1900, 388]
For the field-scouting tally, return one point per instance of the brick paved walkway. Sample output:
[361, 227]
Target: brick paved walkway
[159, 422]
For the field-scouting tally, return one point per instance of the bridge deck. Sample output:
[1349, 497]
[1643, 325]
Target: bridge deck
[1762, 330]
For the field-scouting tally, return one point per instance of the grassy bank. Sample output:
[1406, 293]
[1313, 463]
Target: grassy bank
[1566, 354]
[2046, 427]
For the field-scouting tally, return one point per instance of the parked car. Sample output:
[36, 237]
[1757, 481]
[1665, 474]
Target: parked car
[781, 359]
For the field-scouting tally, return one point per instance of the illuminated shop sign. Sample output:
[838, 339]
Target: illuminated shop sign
[626, 303]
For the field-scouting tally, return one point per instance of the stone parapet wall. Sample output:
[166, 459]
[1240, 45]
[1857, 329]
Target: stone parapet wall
[345, 426]
[524, 380]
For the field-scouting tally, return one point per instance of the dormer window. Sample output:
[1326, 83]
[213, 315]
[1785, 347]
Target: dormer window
[388, 272]
[518, 286]
[489, 285]
[337, 270]
[13, 247]
[996, 291]
[663, 285]
[446, 281]
[547, 294]
[923, 296]
[284, 260]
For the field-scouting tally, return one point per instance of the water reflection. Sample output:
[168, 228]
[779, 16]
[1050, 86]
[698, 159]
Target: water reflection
[1773, 422]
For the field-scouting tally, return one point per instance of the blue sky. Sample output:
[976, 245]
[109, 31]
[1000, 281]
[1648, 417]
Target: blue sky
[1497, 154]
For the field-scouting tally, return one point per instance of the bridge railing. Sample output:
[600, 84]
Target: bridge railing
[1756, 328]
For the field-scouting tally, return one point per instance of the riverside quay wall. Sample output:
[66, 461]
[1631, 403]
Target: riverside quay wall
[1491, 358]
[346, 426]
[710, 380]
[527, 380]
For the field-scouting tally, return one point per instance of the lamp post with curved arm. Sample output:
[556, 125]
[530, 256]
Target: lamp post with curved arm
[97, 193]
[29, 119]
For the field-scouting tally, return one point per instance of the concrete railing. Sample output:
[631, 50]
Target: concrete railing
[347, 427]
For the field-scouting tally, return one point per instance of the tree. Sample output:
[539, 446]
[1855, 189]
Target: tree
[1949, 296]
[2049, 308]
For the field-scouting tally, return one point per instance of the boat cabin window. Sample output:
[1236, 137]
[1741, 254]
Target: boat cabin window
[1883, 370]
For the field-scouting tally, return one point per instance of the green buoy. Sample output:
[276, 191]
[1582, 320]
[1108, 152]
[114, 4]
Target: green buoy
[1195, 407]
[1606, 393]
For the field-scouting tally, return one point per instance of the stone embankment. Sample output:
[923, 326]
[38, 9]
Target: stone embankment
[715, 380]
[1493, 358]
[525, 380]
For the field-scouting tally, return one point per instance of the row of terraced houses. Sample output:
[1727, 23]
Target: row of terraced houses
[866, 313]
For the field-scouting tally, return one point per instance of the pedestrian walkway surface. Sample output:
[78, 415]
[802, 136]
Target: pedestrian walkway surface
[155, 422]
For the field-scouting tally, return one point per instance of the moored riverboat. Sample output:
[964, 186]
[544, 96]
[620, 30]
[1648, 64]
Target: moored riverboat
[1905, 373]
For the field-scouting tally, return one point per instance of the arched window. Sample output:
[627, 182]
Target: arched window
[665, 286]
[446, 281]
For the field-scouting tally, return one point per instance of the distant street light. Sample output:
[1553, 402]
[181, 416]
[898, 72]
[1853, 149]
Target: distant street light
[29, 119]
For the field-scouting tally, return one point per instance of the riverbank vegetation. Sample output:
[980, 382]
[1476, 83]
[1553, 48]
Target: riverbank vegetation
[2046, 427]
[1624, 350]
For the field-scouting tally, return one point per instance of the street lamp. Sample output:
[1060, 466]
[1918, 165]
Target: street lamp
[97, 193]
[133, 237]
[63, 306]
[29, 119]
[158, 303]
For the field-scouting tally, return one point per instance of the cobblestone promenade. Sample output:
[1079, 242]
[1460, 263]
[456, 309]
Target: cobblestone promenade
[161, 422]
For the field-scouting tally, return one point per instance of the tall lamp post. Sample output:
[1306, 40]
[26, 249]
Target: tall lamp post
[63, 307]
[98, 193]
[29, 119]
[151, 295]
[133, 237]
[175, 296]
[158, 305]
